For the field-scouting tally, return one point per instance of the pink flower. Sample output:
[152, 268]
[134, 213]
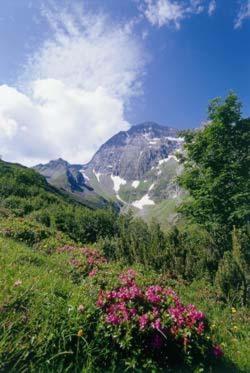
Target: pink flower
[153, 293]
[156, 324]
[217, 351]
[93, 272]
[128, 277]
[143, 321]
[200, 328]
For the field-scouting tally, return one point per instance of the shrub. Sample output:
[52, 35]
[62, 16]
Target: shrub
[148, 326]
[51, 243]
[24, 230]
[83, 261]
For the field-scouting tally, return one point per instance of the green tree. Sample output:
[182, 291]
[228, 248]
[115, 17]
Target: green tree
[216, 167]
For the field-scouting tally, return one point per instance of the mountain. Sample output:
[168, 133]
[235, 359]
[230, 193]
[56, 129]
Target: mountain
[68, 178]
[135, 168]
[139, 167]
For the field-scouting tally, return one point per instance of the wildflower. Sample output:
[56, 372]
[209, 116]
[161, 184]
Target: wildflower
[80, 308]
[156, 324]
[143, 321]
[233, 310]
[128, 277]
[200, 328]
[153, 293]
[235, 328]
[18, 283]
[80, 333]
[217, 351]
[93, 272]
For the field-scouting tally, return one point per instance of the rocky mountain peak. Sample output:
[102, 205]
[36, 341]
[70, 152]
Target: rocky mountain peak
[130, 154]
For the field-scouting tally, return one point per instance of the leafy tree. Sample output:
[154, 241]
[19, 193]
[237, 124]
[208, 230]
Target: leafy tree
[216, 167]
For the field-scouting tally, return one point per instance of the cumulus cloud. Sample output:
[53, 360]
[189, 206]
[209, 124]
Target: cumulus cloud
[166, 12]
[74, 90]
[243, 14]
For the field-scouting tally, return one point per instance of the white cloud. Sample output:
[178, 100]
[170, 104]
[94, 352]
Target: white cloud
[166, 12]
[163, 12]
[211, 7]
[243, 14]
[74, 90]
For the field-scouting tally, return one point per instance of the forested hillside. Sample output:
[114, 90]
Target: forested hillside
[89, 290]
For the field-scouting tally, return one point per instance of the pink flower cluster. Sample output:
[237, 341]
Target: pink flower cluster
[187, 316]
[84, 258]
[94, 257]
[130, 301]
[152, 309]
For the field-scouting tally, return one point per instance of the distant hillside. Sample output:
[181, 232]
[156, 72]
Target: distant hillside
[33, 211]
[69, 179]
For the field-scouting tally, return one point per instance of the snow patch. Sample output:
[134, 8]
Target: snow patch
[118, 181]
[144, 201]
[97, 175]
[151, 187]
[177, 139]
[84, 175]
[135, 183]
[161, 161]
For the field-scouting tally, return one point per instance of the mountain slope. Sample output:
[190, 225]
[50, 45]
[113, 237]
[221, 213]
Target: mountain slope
[131, 154]
[69, 179]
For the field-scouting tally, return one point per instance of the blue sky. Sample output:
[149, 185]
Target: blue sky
[73, 73]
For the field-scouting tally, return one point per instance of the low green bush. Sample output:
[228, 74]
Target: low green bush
[25, 230]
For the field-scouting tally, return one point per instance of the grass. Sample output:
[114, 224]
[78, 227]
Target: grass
[42, 330]
[231, 326]
[36, 297]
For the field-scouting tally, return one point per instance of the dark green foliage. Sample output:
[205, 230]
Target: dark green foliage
[229, 278]
[233, 275]
[42, 208]
[217, 167]
[24, 230]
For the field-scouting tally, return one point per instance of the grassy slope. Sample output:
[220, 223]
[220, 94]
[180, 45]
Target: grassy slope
[39, 321]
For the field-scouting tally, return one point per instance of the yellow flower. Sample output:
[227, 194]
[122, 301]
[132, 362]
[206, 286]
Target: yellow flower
[235, 328]
[234, 310]
[80, 333]
[213, 326]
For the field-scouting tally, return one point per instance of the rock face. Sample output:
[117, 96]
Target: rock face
[68, 178]
[63, 175]
[132, 154]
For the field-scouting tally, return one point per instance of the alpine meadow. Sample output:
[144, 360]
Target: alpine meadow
[125, 247]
